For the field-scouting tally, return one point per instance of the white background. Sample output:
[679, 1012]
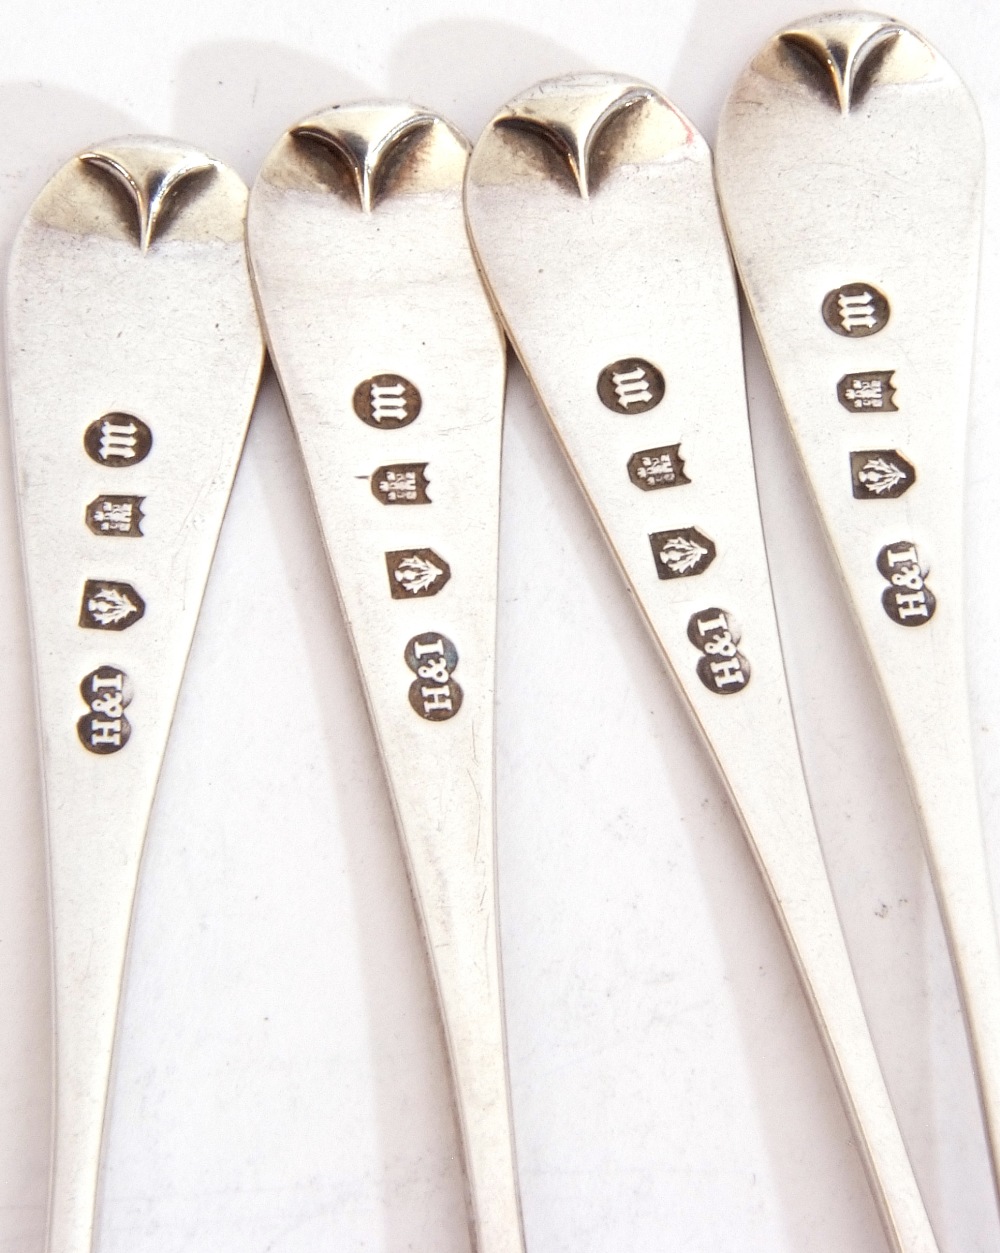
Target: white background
[281, 1083]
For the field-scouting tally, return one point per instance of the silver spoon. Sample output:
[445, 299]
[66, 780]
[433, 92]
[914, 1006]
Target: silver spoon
[393, 367]
[863, 290]
[593, 214]
[135, 354]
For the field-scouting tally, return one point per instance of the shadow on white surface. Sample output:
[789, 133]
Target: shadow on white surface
[236, 97]
[441, 65]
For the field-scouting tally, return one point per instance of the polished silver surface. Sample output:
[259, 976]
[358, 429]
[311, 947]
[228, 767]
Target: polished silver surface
[392, 366]
[593, 214]
[135, 354]
[863, 290]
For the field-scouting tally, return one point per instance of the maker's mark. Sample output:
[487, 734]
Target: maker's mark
[107, 692]
[150, 174]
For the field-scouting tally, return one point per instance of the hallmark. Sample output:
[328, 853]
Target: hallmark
[110, 606]
[681, 553]
[653, 468]
[105, 729]
[387, 401]
[401, 484]
[116, 515]
[856, 310]
[722, 667]
[880, 474]
[434, 694]
[907, 600]
[416, 572]
[118, 439]
[870, 393]
[630, 385]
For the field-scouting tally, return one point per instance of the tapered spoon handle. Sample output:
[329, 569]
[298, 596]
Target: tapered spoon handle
[392, 366]
[863, 290]
[593, 213]
[135, 354]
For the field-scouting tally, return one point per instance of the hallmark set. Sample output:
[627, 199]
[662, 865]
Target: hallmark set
[383, 261]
